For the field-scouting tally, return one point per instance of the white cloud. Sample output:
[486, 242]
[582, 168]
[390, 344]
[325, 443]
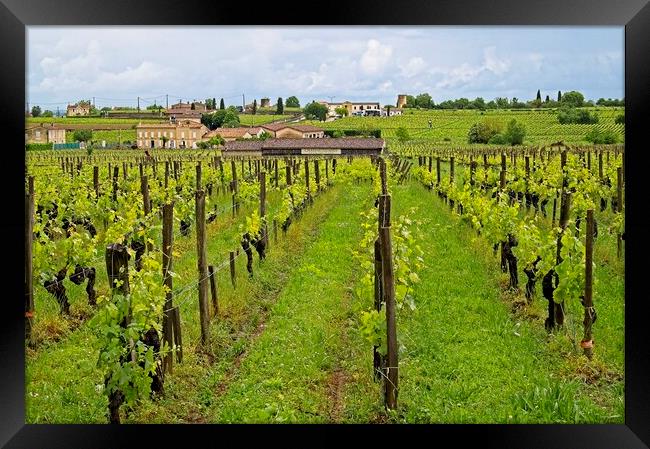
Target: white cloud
[493, 63]
[376, 57]
[413, 67]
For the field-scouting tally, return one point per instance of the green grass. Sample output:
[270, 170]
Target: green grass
[285, 346]
[248, 119]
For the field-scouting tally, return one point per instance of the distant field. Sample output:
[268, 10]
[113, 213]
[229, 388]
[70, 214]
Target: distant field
[260, 119]
[450, 127]
[93, 120]
[122, 135]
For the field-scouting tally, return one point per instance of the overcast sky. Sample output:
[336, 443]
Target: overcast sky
[117, 64]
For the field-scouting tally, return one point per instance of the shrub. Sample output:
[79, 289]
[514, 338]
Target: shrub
[38, 146]
[597, 137]
[515, 133]
[620, 119]
[483, 131]
[402, 134]
[576, 116]
[498, 139]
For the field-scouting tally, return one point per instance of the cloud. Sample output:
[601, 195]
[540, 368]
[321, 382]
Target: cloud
[466, 73]
[376, 57]
[413, 67]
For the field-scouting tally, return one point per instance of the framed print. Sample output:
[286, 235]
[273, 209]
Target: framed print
[335, 217]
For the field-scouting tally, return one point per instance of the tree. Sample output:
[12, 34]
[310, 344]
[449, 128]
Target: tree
[462, 103]
[502, 103]
[539, 95]
[515, 133]
[402, 134]
[315, 111]
[265, 135]
[280, 107]
[47, 113]
[164, 140]
[478, 103]
[222, 105]
[82, 135]
[342, 111]
[573, 98]
[559, 96]
[36, 111]
[598, 137]
[483, 131]
[227, 118]
[410, 101]
[568, 115]
[214, 103]
[231, 119]
[254, 107]
[491, 104]
[292, 102]
[547, 100]
[424, 101]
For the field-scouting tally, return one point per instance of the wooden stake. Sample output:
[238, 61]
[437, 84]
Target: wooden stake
[213, 291]
[587, 342]
[232, 269]
[202, 264]
[167, 266]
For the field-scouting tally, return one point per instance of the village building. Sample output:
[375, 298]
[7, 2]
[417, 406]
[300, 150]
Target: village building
[353, 108]
[344, 146]
[78, 109]
[173, 134]
[187, 111]
[289, 130]
[44, 133]
[390, 112]
[229, 134]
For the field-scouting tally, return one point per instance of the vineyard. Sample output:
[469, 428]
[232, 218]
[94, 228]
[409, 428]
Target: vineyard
[431, 284]
[450, 127]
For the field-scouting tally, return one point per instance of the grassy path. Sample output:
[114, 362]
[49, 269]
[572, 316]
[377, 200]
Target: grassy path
[466, 357]
[294, 372]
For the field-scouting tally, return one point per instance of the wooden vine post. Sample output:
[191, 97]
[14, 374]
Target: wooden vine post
[202, 258]
[565, 207]
[307, 180]
[619, 207]
[388, 289]
[288, 169]
[317, 174]
[438, 170]
[451, 179]
[233, 277]
[587, 341]
[96, 181]
[167, 266]
[234, 187]
[265, 228]
[213, 290]
[29, 274]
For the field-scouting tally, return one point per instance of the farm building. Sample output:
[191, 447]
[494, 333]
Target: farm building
[44, 133]
[345, 146]
[229, 134]
[390, 112]
[352, 107]
[78, 109]
[187, 111]
[174, 134]
[284, 130]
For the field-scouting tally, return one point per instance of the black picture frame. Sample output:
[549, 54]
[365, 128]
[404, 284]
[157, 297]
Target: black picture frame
[15, 15]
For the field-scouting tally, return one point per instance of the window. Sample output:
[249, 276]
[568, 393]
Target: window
[140, 134]
[183, 136]
[38, 134]
[146, 134]
[158, 133]
[171, 134]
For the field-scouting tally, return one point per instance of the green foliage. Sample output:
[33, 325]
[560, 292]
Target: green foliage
[222, 105]
[515, 133]
[402, 134]
[83, 135]
[498, 139]
[343, 112]
[620, 119]
[292, 102]
[572, 99]
[47, 113]
[38, 146]
[569, 115]
[424, 101]
[483, 131]
[599, 137]
[316, 111]
[279, 107]
[36, 111]
[226, 118]
[254, 110]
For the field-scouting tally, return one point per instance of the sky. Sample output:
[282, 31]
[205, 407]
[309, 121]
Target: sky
[117, 64]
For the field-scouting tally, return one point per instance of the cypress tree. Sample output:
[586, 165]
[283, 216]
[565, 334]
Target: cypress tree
[559, 96]
[280, 106]
[547, 99]
[254, 106]
[214, 103]
[222, 105]
[539, 95]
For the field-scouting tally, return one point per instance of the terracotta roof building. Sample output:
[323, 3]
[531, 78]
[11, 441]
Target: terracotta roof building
[229, 134]
[290, 130]
[44, 133]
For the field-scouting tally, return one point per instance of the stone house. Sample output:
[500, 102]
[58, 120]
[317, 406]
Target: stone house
[289, 130]
[44, 133]
[78, 109]
[173, 134]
